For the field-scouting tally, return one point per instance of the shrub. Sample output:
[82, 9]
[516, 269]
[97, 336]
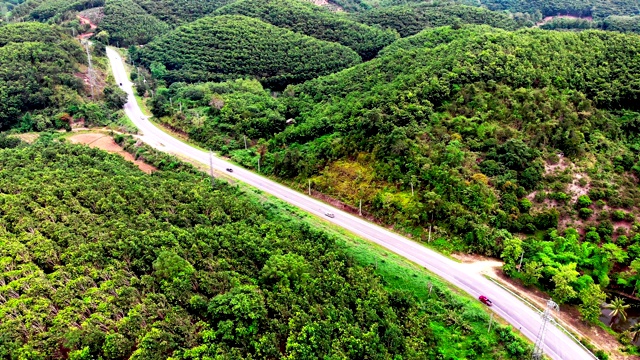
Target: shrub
[583, 201]
[622, 241]
[585, 213]
[618, 215]
[525, 205]
[592, 237]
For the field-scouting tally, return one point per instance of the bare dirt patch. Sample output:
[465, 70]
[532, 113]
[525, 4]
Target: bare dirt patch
[93, 16]
[328, 4]
[106, 142]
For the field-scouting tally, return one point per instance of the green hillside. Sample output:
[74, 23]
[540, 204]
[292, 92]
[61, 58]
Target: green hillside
[460, 131]
[411, 19]
[52, 10]
[181, 11]
[599, 9]
[99, 260]
[36, 72]
[226, 47]
[129, 24]
[306, 18]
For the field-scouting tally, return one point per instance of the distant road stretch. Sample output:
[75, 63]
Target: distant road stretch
[557, 344]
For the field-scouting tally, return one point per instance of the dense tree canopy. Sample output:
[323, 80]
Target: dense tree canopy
[181, 11]
[411, 19]
[599, 9]
[224, 47]
[34, 74]
[99, 260]
[312, 20]
[52, 10]
[129, 24]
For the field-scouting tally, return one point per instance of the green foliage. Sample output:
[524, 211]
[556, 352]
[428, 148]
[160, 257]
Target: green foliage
[104, 261]
[592, 299]
[52, 10]
[583, 201]
[622, 23]
[618, 310]
[129, 24]
[570, 23]
[351, 5]
[245, 47]
[115, 98]
[563, 279]
[596, 8]
[462, 115]
[585, 213]
[181, 11]
[30, 32]
[531, 273]
[306, 18]
[411, 19]
[36, 76]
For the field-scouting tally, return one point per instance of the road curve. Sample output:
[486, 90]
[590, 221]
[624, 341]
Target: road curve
[557, 345]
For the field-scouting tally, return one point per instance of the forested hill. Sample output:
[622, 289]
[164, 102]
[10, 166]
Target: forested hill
[226, 47]
[36, 73]
[599, 9]
[312, 20]
[411, 19]
[129, 24]
[99, 260]
[460, 130]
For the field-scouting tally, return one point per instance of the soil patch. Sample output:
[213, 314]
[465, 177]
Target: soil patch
[328, 4]
[106, 142]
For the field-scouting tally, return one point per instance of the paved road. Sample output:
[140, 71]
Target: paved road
[557, 344]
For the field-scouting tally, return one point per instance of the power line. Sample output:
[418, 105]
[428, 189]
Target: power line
[538, 353]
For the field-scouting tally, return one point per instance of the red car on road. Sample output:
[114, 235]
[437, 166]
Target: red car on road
[485, 300]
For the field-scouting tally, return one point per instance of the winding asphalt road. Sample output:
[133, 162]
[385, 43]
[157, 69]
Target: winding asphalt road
[557, 344]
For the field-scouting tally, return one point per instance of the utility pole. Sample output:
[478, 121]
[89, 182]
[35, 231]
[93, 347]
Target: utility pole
[360, 208]
[258, 163]
[520, 265]
[245, 142]
[430, 286]
[309, 187]
[412, 189]
[86, 47]
[538, 353]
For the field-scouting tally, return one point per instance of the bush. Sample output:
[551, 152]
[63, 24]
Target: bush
[585, 213]
[583, 201]
[618, 215]
[592, 237]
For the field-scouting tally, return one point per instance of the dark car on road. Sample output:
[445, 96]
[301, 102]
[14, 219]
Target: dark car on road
[485, 300]
[229, 169]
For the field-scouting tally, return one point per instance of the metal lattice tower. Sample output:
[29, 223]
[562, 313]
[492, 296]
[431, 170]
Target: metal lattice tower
[538, 353]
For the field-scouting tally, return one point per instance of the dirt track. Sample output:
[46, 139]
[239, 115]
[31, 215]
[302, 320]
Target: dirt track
[106, 142]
